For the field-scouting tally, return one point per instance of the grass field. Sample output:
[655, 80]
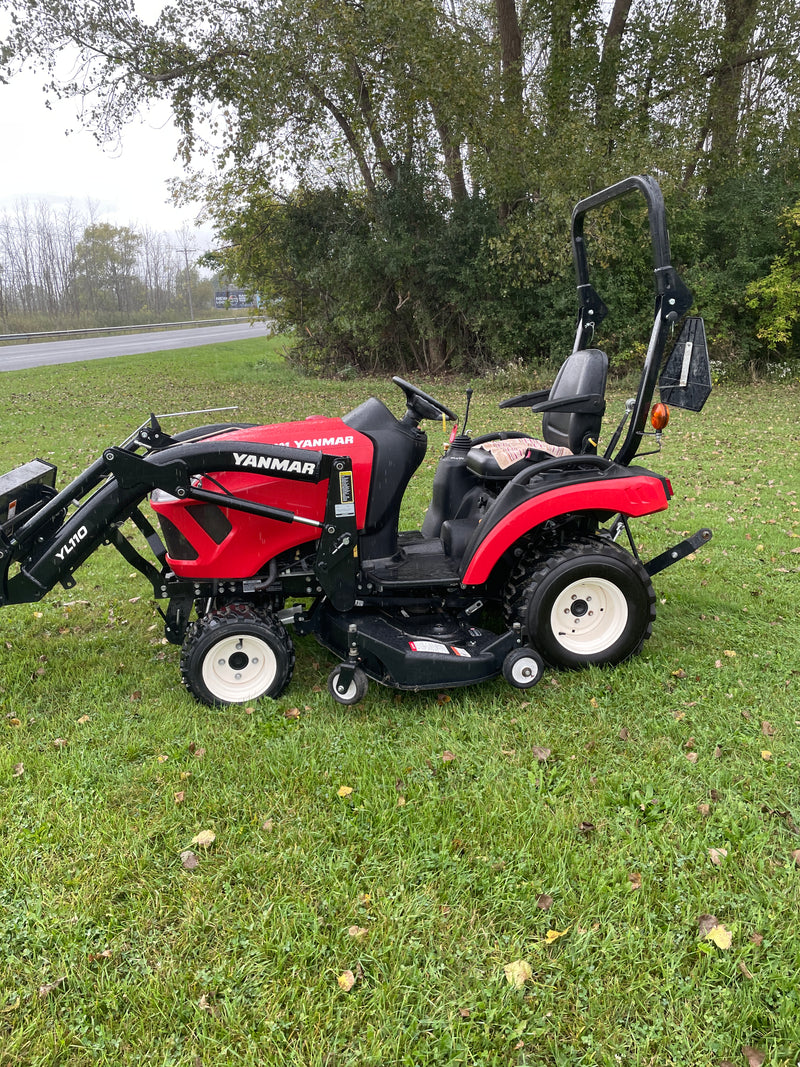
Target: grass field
[602, 870]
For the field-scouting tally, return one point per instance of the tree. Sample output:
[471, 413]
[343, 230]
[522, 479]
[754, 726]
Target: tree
[412, 121]
[104, 268]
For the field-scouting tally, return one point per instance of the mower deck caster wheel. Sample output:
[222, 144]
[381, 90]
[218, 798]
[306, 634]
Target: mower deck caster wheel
[353, 692]
[523, 668]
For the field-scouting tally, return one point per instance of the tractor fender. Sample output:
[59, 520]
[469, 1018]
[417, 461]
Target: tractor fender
[635, 494]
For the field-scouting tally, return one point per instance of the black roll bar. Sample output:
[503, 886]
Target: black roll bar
[673, 299]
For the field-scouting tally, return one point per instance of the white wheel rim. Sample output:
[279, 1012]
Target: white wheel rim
[589, 616]
[348, 694]
[524, 671]
[238, 668]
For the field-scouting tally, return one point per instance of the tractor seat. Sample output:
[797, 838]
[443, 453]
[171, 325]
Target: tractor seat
[572, 414]
[502, 459]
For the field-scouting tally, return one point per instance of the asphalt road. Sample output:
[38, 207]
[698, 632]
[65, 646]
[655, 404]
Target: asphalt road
[73, 350]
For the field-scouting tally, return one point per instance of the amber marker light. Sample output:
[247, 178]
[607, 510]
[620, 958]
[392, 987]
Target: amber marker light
[659, 417]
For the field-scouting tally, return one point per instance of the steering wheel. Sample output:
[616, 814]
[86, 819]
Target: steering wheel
[422, 405]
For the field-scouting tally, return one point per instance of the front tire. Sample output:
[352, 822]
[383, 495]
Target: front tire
[236, 654]
[589, 603]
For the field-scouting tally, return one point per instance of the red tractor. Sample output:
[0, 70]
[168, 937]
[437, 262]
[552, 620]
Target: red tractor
[519, 561]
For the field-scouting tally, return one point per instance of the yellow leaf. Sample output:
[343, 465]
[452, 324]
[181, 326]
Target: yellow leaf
[553, 935]
[344, 791]
[358, 931]
[346, 981]
[721, 937]
[766, 754]
[204, 838]
[83, 719]
[518, 973]
[729, 652]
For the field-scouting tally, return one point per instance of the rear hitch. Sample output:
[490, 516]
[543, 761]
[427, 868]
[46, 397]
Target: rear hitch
[679, 551]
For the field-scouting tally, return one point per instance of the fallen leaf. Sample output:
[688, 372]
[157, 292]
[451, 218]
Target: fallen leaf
[13, 720]
[291, 713]
[180, 797]
[744, 969]
[678, 715]
[518, 973]
[268, 825]
[541, 754]
[717, 855]
[443, 698]
[104, 955]
[717, 753]
[45, 990]
[189, 860]
[755, 1057]
[767, 729]
[184, 775]
[766, 754]
[729, 653]
[60, 742]
[204, 839]
[680, 673]
[691, 756]
[553, 935]
[690, 744]
[83, 719]
[19, 770]
[795, 854]
[136, 695]
[464, 1013]
[757, 939]
[198, 753]
[447, 756]
[635, 880]
[346, 981]
[720, 936]
[344, 791]
[624, 734]
[162, 759]
[204, 1004]
[586, 828]
[358, 931]
[401, 802]
[519, 1045]
[544, 902]
[705, 923]
[704, 809]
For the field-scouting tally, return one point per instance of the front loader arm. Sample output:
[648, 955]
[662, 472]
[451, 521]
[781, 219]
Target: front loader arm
[48, 550]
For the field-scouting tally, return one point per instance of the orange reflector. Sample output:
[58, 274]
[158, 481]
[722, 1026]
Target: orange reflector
[659, 416]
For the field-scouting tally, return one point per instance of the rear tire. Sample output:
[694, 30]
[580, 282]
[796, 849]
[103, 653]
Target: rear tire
[589, 603]
[236, 654]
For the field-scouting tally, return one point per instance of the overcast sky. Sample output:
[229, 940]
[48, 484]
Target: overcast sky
[41, 161]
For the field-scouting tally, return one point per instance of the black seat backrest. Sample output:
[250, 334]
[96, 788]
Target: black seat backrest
[581, 373]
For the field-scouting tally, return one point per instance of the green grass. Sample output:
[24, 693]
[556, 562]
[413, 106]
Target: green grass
[440, 862]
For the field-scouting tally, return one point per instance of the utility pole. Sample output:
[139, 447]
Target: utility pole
[186, 252]
[186, 249]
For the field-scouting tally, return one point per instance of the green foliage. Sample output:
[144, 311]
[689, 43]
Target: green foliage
[410, 131]
[776, 297]
[397, 280]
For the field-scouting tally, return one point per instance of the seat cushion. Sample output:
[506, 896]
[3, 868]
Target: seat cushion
[504, 459]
